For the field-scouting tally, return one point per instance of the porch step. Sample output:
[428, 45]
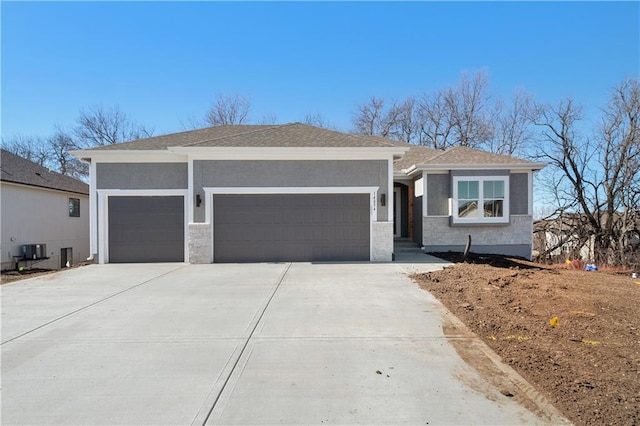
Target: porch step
[414, 249]
[404, 243]
[405, 246]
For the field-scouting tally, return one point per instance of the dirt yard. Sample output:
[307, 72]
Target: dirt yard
[10, 276]
[574, 335]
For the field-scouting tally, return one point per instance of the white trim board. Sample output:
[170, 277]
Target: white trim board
[425, 196]
[180, 154]
[390, 191]
[122, 156]
[211, 191]
[103, 214]
[190, 197]
[93, 211]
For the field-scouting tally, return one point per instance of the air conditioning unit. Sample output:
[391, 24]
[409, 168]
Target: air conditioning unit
[34, 251]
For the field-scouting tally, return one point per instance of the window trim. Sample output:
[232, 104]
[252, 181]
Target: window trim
[481, 219]
[72, 199]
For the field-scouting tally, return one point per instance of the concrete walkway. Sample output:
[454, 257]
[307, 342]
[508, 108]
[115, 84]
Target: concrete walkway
[411, 259]
[243, 344]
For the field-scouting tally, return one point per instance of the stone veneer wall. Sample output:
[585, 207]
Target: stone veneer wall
[382, 241]
[199, 243]
[516, 237]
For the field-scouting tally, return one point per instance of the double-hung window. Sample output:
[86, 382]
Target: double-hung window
[480, 199]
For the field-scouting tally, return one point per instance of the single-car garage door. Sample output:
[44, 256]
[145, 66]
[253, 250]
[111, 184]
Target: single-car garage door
[291, 228]
[146, 229]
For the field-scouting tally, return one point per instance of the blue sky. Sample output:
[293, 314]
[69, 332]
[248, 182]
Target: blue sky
[162, 62]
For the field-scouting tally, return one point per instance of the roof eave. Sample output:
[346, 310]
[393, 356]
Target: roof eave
[50, 188]
[419, 168]
[88, 153]
[488, 166]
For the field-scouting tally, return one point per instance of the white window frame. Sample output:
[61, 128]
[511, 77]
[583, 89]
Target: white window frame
[481, 219]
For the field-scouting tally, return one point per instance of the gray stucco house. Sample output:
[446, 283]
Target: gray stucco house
[293, 192]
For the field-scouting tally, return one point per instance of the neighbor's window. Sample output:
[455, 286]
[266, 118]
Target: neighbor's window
[480, 199]
[74, 207]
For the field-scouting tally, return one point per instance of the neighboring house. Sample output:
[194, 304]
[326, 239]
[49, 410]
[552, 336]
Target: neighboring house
[561, 238]
[253, 193]
[569, 236]
[42, 207]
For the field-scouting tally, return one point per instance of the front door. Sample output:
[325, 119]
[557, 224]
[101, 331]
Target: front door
[397, 216]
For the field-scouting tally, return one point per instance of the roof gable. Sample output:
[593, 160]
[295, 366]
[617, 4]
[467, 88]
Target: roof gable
[460, 156]
[16, 169]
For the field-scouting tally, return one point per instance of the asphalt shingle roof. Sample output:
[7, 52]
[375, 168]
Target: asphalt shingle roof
[282, 135]
[19, 170]
[416, 155]
[464, 155]
[298, 135]
[457, 156]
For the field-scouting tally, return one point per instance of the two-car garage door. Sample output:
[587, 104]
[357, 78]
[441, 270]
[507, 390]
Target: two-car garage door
[291, 227]
[246, 228]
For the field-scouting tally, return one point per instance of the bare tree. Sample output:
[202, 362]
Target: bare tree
[596, 178]
[192, 122]
[317, 120]
[435, 122]
[402, 121]
[462, 115]
[32, 148]
[58, 147]
[269, 118]
[470, 110]
[619, 138]
[513, 126]
[396, 121]
[51, 152]
[229, 109]
[98, 126]
[368, 118]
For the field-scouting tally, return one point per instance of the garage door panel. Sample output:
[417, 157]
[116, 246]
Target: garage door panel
[291, 227]
[146, 229]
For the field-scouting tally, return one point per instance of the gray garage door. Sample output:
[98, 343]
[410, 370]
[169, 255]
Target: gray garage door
[146, 229]
[296, 228]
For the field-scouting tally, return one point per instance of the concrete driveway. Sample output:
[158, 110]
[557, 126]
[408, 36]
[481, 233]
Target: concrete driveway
[245, 344]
